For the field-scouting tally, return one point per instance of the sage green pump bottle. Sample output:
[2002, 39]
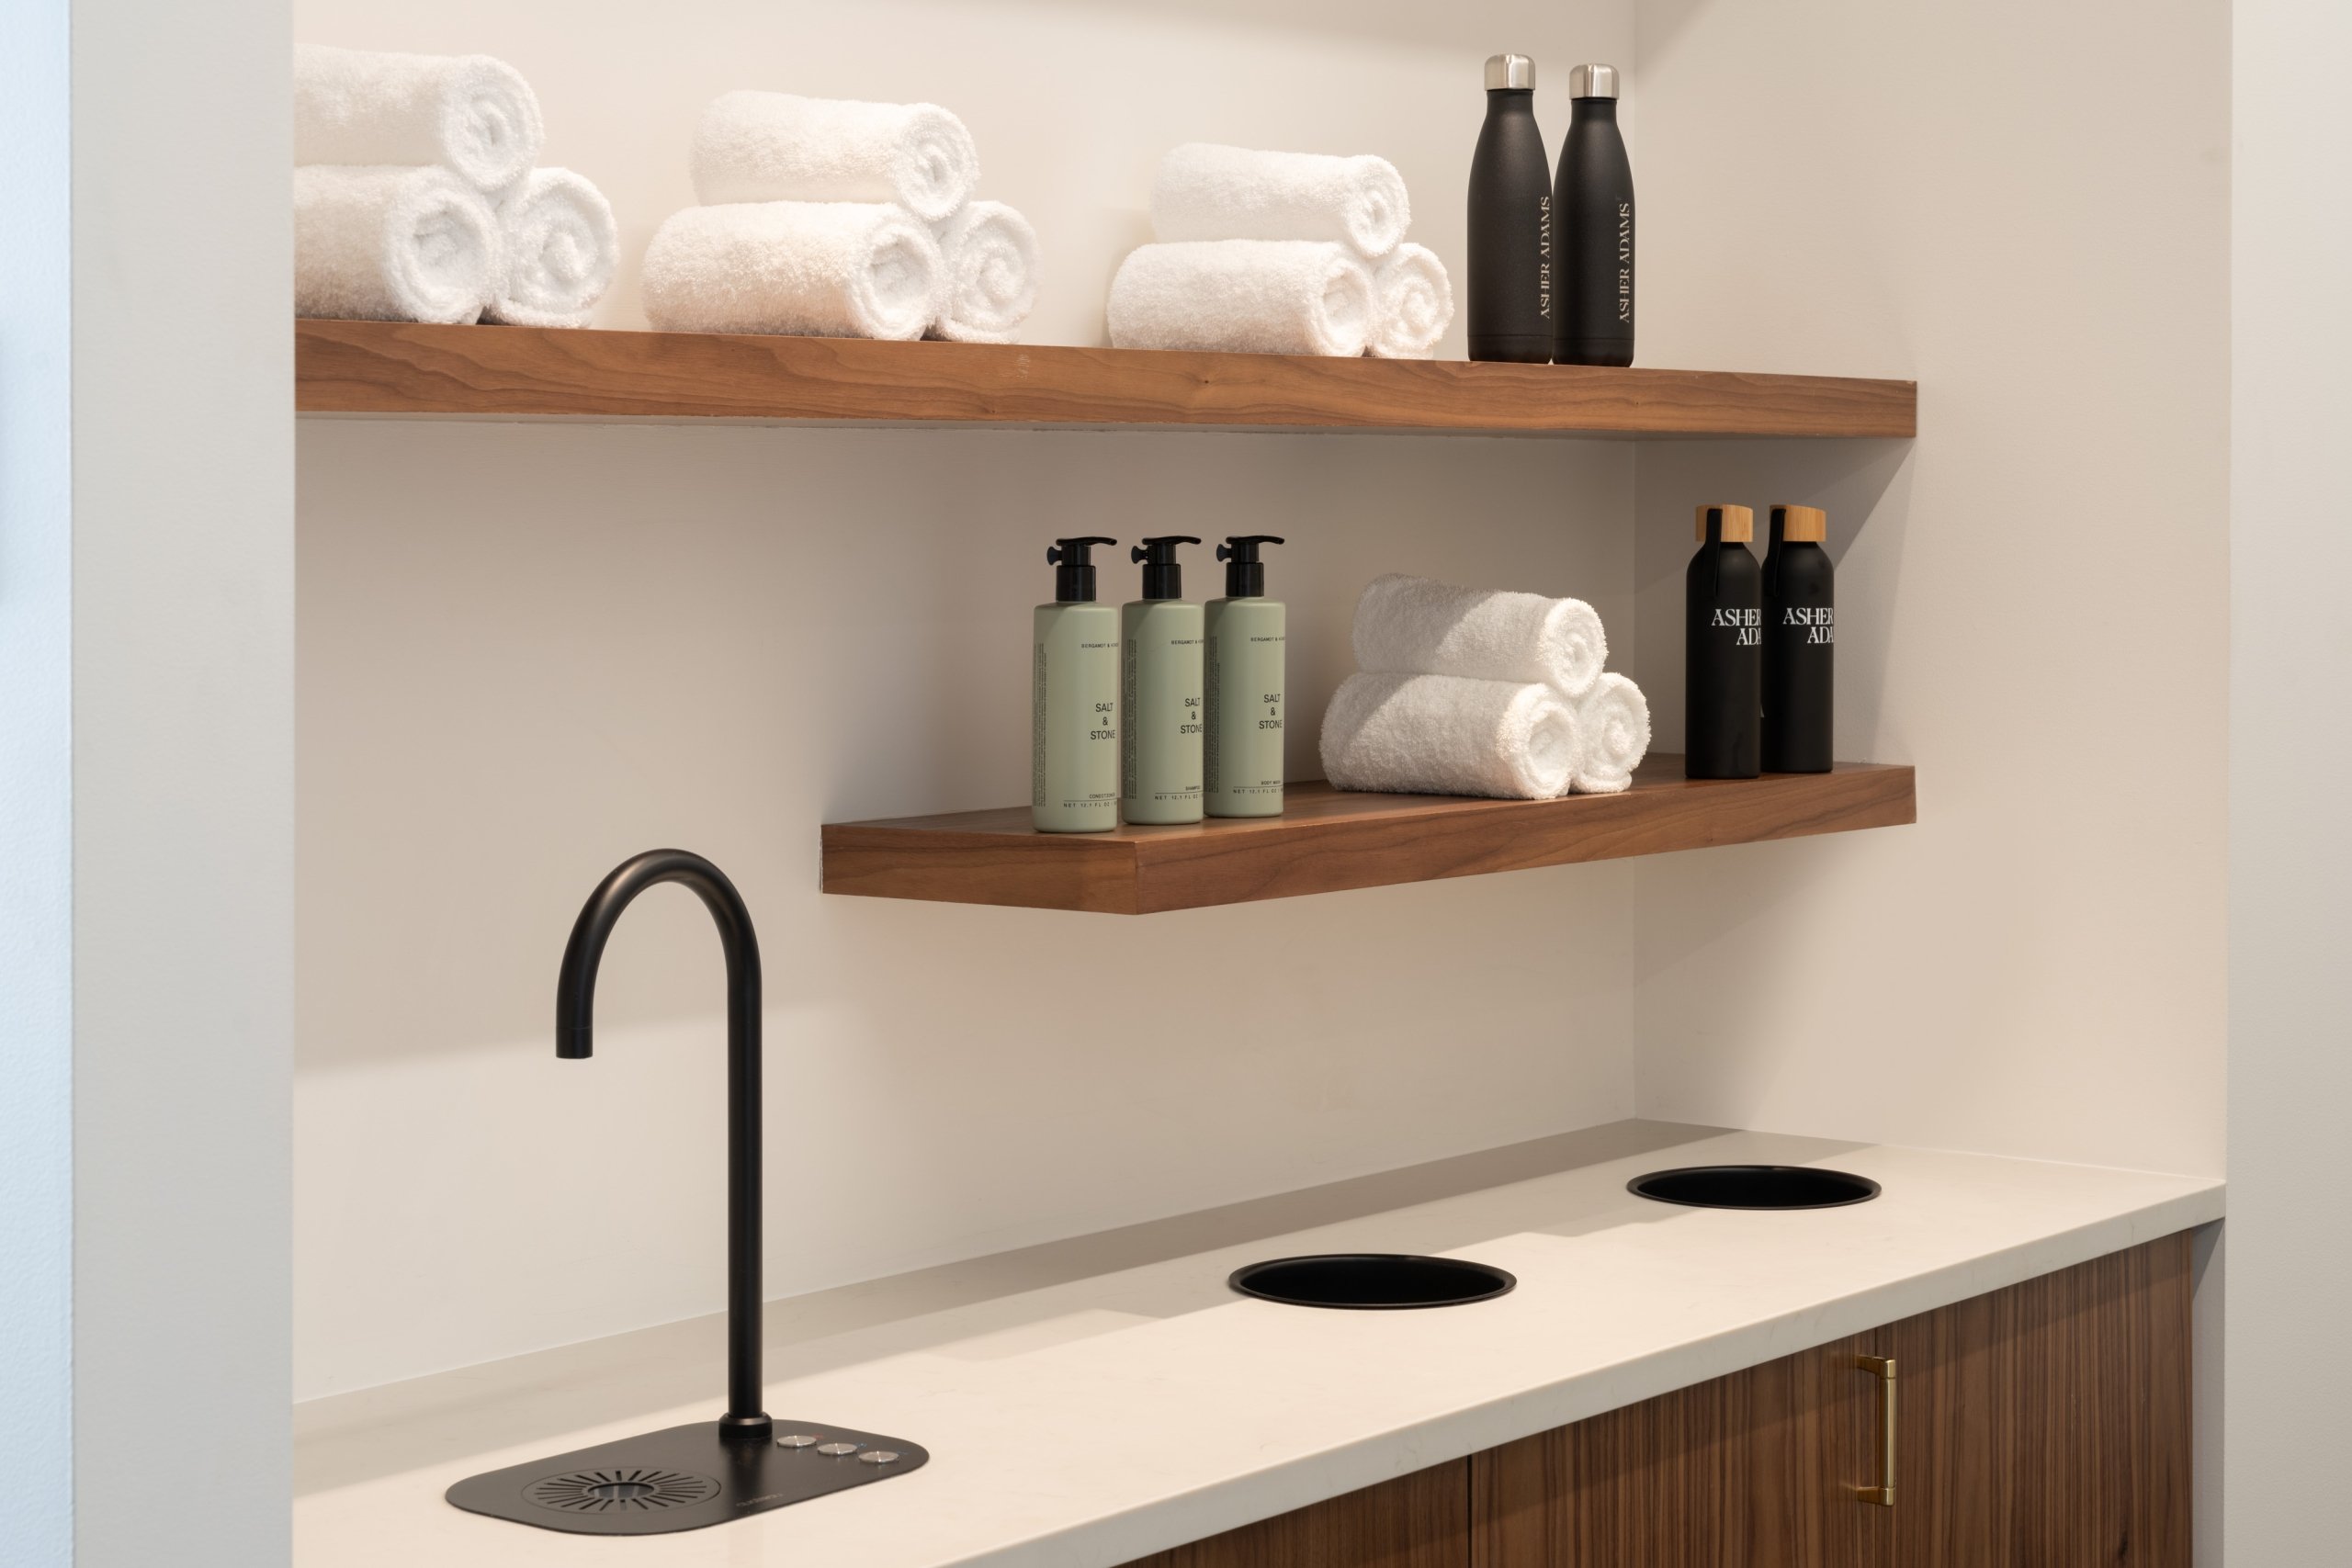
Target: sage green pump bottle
[1074, 701]
[1243, 768]
[1160, 693]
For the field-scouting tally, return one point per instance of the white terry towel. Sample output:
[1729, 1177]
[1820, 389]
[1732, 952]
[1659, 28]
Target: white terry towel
[561, 248]
[393, 244]
[1243, 296]
[1614, 720]
[813, 269]
[1414, 303]
[992, 287]
[778, 147]
[468, 112]
[1412, 624]
[1443, 735]
[1208, 192]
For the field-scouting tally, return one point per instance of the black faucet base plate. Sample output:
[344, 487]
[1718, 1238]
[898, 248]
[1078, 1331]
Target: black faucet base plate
[681, 1478]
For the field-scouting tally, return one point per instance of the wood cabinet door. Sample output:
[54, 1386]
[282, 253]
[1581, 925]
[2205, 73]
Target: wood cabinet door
[2047, 1425]
[1758, 1470]
[1422, 1520]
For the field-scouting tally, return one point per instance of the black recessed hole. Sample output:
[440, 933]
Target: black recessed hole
[1754, 1186]
[1371, 1281]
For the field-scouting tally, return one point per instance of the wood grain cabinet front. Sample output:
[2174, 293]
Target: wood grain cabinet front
[1759, 1469]
[2047, 1425]
[2042, 1426]
[1422, 1520]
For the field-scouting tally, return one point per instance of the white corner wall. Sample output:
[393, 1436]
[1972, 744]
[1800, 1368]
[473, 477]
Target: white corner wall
[37, 781]
[529, 650]
[2026, 209]
[146, 784]
[2289, 1420]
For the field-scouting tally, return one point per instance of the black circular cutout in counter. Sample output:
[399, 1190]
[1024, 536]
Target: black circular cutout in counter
[1372, 1281]
[1754, 1186]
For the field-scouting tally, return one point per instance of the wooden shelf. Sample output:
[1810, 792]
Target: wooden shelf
[1327, 841]
[381, 368]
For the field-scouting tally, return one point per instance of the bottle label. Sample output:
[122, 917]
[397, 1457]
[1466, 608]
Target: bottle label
[1819, 624]
[1749, 624]
[1544, 254]
[1626, 260]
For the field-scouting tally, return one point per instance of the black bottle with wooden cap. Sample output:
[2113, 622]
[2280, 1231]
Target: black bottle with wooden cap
[1511, 276]
[1800, 642]
[1593, 208]
[1723, 668]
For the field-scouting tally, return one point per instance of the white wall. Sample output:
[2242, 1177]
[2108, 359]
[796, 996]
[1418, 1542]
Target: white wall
[37, 782]
[2289, 1402]
[144, 370]
[2025, 208]
[529, 651]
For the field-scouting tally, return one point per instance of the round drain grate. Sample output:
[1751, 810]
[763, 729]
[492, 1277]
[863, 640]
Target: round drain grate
[635, 1488]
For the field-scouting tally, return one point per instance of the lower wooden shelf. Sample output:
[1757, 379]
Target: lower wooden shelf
[1327, 840]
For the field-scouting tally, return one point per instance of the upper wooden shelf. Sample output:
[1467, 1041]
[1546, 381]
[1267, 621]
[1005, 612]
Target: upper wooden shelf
[399, 367]
[1327, 841]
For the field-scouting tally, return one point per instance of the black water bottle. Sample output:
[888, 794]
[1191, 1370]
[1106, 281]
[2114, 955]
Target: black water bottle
[1800, 642]
[1594, 210]
[1722, 649]
[1512, 300]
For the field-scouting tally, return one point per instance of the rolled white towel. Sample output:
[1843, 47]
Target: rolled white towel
[1443, 735]
[754, 146]
[811, 268]
[1243, 296]
[991, 257]
[1412, 624]
[1208, 192]
[469, 113]
[1614, 720]
[393, 244]
[561, 248]
[1414, 301]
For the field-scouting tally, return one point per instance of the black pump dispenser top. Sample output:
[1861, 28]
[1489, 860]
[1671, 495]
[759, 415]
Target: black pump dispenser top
[1163, 576]
[1073, 564]
[1245, 575]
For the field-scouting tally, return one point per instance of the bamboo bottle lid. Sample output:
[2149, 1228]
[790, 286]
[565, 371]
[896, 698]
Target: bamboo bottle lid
[1802, 525]
[1739, 523]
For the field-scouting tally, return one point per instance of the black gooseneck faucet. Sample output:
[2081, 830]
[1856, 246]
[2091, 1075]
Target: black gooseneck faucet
[575, 1000]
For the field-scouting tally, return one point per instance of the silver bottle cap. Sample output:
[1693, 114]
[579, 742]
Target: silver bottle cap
[1510, 71]
[1592, 80]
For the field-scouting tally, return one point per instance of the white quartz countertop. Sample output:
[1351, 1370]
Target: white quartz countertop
[1079, 1419]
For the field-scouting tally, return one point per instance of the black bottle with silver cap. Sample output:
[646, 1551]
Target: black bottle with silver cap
[1511, 298]
[1593, 211]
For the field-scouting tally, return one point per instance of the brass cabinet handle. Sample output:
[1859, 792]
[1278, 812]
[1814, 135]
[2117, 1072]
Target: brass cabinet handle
[1882, 1368]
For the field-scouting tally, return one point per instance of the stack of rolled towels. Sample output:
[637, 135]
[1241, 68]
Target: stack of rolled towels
[1465, 691]
[1280, 252]
[416, 198]
[830, 217]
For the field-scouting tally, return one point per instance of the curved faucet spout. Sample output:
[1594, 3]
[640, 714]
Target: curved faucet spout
[575, 1002]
